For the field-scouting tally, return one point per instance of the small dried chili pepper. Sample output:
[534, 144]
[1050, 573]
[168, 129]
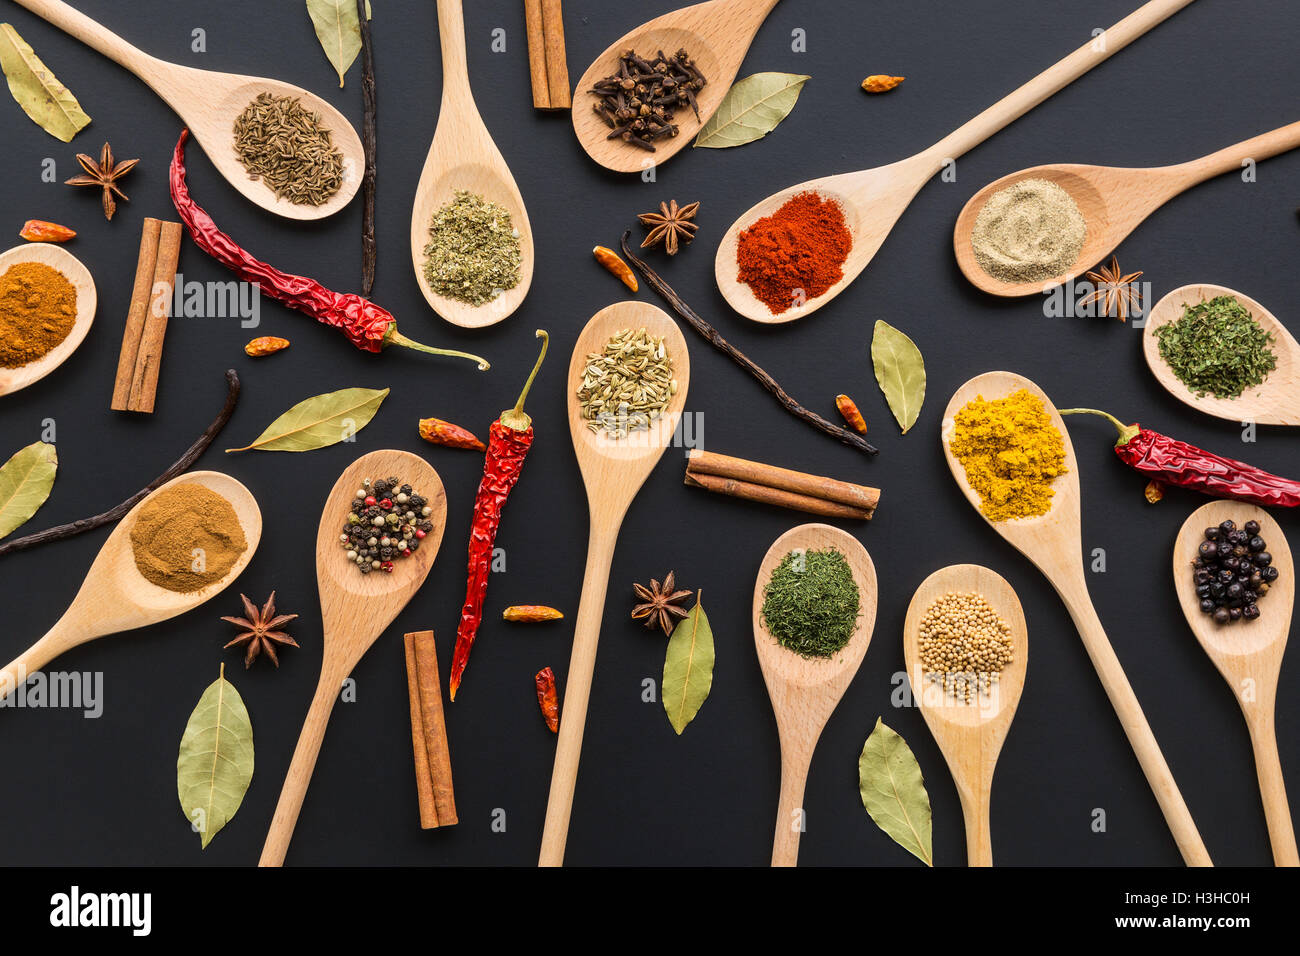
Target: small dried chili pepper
[610, 260]
[1182, 465]
[547, 699]
[1154, 492]
[509, 439]
[366, 325]
[38, 230]
[881, 83]
[439, 432]
[849, 409]
[531, 613]
[265, 345]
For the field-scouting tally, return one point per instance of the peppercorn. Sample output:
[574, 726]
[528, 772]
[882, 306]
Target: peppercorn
[1232, 572]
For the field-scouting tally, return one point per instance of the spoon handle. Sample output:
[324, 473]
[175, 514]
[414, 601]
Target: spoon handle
[455, 64]
[577, 690]
[1272, 788]
[979, 838]
[1233, 157]
[61, 637]
[795, 761]
[1053, 80]
[79, 26]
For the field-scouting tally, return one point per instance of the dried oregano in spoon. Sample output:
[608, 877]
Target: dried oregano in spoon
[1217, 347]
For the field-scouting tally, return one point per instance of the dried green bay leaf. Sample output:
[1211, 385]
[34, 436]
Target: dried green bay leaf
[900, 370]
[893, 791]
[338, 30]
[25, 483]
[751, 109]
[320, 421]
[215, 764]
[38, 91]
[688, 668]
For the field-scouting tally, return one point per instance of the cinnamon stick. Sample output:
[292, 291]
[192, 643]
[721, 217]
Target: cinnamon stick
[858, 498]
[135, 316]
[547, 62]
[429, 733]
[537, 54]
[775, 496]
[148, 360]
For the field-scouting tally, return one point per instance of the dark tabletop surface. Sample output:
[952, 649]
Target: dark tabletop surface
[102, 791]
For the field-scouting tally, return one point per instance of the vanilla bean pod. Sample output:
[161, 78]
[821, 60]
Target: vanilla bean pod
[740, 358]
[108, 517]
[369, 125]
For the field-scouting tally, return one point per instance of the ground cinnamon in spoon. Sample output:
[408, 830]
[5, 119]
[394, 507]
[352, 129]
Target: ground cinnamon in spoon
[38, 308]
[795, 254]
[186, 538]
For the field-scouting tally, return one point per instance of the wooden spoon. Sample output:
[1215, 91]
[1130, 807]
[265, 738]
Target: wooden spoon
[716, 35]
[873, 199]
[1248, 653]
[1275, 402]
[1054, 543]
[115, 597]
[804, 690]
[463, 156]
[56, 257]
[355, 610]
[970, 735]
[613, 469]
[1113, 201]
[209, 103]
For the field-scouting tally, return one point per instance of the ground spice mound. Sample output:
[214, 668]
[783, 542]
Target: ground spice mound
[38, 308]
[1029, 231]
[186, 538]
[796, 254]
[1011, 452]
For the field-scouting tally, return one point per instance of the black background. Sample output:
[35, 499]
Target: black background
[98, 792]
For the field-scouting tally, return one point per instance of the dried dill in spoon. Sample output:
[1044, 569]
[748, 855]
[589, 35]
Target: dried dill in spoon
[811, 604]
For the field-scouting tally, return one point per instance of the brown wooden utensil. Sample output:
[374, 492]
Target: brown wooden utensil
[1054, 543]
[805, 690]
[56, 257]
[355, 610]
[1248, 653]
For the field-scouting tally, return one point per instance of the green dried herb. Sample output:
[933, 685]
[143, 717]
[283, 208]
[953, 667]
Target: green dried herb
[473, 251]
[48, 102]
[1217, 347]
[900, 371]
[811, 603]
[893, 791]
[320, 421]
[215, 763]
[282, 143]
[688, 668]
[25, 483]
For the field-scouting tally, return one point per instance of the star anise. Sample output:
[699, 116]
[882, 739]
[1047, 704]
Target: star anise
[670, 224]
[105, 175]
[262, 634]
[1114, 290]
[660, 605]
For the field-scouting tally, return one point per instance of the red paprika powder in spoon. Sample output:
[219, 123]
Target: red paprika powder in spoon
[795, 254]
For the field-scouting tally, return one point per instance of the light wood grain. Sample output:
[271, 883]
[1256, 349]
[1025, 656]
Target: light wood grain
[1275, 402]
[115, 597]
[970, 735]
[874, 199]
[463, 156]
[56, 257]
[613, 471]
[716, 35]
[1248, 653]
[355, 610]
[1053, 542]
[209, 103]
[1113, 201]
[806, 690]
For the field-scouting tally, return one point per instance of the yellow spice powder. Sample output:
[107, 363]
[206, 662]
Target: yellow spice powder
[1011, 452]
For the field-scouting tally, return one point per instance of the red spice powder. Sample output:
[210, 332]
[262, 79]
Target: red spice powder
[796, 254]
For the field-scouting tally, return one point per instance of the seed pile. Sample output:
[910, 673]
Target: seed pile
[1217, 347]
[964, 645]
[627, 385]
[1030, 231]
[282, 143]
[811, 603]
[638, 102]
[1232, 571]
[473, 250]
[387, 522]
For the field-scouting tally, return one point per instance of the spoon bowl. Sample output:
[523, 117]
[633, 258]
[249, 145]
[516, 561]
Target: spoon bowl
[355, 609]
[716, 35]
[1275, 402]
[56, 257]
[806, 690]
[115, 597]
[970, 735]
[1248, 653]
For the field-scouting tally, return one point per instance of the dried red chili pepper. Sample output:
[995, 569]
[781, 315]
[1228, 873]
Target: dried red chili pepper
[509, 439]
[366, 325]
[547, 699]
[439, 432]
[531, 613]
[1177, 463]
[38, 230]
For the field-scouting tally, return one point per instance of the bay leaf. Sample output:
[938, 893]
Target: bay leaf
[215, 764]
[900, 370]
[25, 483]
[338, 30]
[38, 91]
[893, 791]
[751, 109]
[688, 668]
[320, 421]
